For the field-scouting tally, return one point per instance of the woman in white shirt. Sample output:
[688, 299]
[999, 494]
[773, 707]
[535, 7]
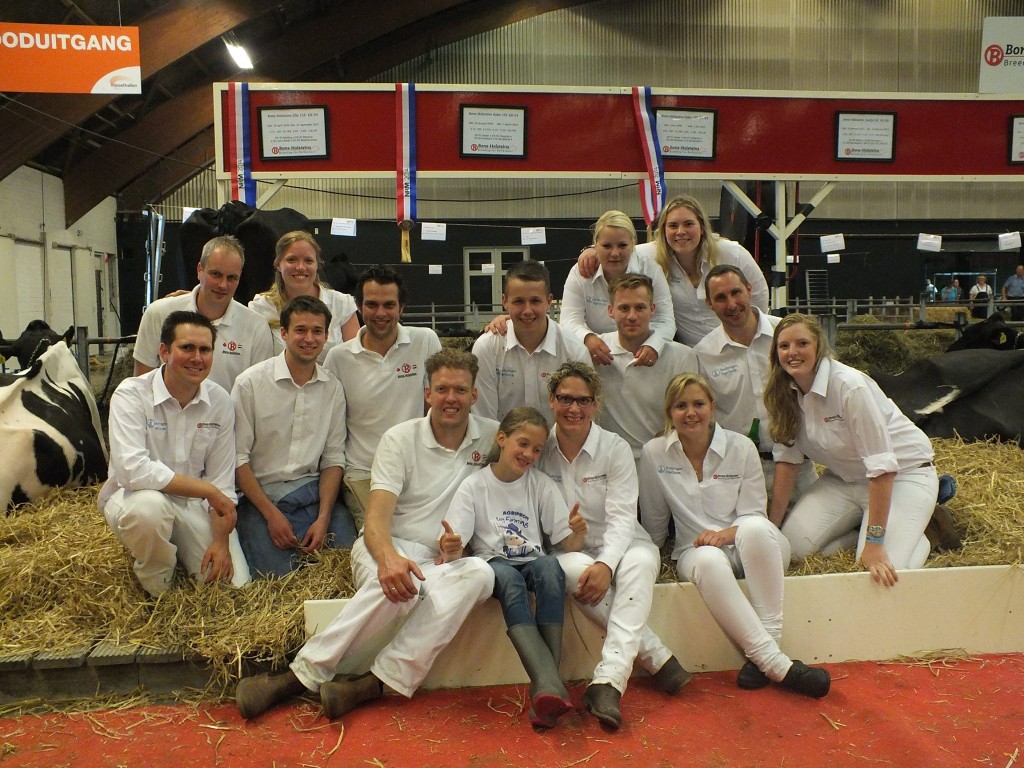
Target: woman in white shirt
[612, 579]
[709, 481]
[297, 266]
[686, 249]
[584, 310]
[879, 487]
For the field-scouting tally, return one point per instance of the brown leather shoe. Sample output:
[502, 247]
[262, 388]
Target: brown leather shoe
[255, 695]
[341, 696]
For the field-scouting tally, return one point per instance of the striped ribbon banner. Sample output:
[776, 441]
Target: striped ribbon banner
[652, 189]
[405, 94]
[239, 144]
[405, 178]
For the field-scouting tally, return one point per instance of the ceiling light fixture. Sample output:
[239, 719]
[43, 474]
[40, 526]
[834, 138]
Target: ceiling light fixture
[238, 53]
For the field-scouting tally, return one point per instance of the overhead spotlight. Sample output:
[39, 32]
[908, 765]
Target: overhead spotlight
[238, 53]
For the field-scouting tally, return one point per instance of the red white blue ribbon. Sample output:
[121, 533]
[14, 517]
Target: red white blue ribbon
[239, 144]
[652, 188]
[405, 131]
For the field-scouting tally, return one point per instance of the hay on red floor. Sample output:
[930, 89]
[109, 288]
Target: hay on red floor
[66, 581]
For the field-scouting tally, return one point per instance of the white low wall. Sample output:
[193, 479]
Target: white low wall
[832, 618]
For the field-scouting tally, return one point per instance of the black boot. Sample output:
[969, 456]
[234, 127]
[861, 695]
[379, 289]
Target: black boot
[672, 677]
[602, 701]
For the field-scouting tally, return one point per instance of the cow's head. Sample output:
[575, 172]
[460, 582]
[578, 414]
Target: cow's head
[33, 342]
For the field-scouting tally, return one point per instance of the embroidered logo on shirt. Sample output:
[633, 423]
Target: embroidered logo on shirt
[596, 479]
[663, 470]
[830, 419]
[405, 370]
[231, 348]
[477, 460]
[725, 370]
[151, 424]
[208, 425]
[505, 373]
[724, 476]
[597, 300]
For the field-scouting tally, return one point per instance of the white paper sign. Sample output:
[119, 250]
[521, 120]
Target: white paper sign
[833, 243]
[293, 132]
[832, 258]
[929, 242]
[345, 227]
[790, 259]
[487, 269]
[1009, 240]
[1002, 55]
[433, 269]
[493, 131]
[533, 236]
[186, 212]
[686, 133]
[430, 230]
[865, 135]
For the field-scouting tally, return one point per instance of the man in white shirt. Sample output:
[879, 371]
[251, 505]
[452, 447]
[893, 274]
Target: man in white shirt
[514, 368]
[383, 372]
[633, 406]
[418, 467]
[290, 448]
[734, 359]
[170, 494]
[243, 336]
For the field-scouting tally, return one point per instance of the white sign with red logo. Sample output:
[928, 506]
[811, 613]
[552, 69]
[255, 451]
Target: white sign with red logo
[1002, 55]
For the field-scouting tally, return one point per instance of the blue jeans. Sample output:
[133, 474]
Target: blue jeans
[301, 507]
[513, 581]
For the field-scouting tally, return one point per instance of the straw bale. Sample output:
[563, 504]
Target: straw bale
[889, 352]
[65, 580]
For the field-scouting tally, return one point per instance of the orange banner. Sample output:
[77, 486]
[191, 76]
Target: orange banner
[51, 58]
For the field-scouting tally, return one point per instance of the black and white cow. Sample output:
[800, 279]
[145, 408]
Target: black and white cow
[50, 432]
[37, 337]
[974, 393]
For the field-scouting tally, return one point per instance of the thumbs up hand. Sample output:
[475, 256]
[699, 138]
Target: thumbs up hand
[450, 544]
[577, 523]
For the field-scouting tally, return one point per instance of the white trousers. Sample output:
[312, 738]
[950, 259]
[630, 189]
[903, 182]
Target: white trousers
[832, 515]
[446, 597]
[755, 625]
[622, 612]
[159, 530]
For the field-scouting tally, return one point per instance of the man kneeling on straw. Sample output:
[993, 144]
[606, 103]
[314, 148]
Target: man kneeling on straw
[170, 495]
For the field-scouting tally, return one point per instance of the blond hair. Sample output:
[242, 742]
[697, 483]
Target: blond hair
[277, 295]
[615, 219]
[707, 249]
[779, 395]
[675, 389]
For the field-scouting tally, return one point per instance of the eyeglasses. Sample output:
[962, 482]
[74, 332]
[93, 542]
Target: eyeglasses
[582, 402]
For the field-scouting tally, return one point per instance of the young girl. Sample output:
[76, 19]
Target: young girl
[505, 512]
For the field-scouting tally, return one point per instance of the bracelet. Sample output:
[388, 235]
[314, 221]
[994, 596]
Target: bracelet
[874, 539]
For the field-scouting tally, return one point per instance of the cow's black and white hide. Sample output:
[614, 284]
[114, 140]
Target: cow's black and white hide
[975, 393]
[37, 337]
[992, 333]
[50, 432]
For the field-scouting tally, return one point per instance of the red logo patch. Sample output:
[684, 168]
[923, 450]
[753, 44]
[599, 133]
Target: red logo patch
[994, 55]
[476, 455]
[406, 368]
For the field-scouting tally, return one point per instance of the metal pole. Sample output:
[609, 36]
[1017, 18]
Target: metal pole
[82, 348]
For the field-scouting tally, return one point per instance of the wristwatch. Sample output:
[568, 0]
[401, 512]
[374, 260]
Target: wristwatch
[876, 533]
